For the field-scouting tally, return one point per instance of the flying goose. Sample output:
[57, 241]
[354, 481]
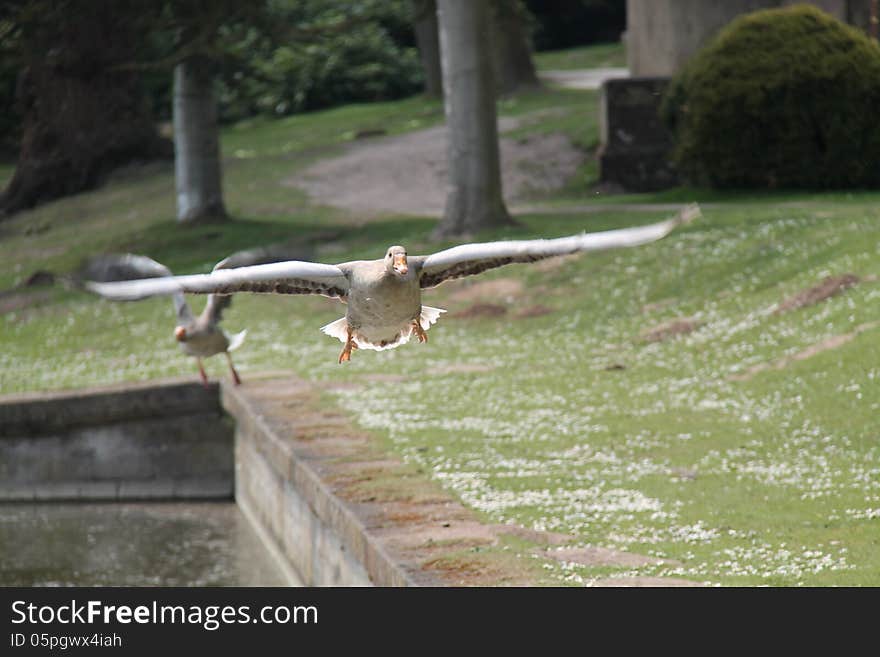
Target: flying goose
[200, 337]
[384, 297]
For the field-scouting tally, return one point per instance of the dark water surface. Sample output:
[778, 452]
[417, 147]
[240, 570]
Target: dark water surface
[132, 544]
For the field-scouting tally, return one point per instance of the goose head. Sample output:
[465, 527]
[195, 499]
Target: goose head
[395, 261]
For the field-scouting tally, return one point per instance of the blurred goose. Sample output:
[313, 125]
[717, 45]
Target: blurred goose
[384, 296]
[198, 336]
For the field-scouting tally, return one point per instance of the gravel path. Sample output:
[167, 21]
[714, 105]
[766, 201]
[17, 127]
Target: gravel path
[587, 78]
[406, 174]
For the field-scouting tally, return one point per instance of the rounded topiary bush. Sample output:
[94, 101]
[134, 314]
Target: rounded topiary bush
[780, 98]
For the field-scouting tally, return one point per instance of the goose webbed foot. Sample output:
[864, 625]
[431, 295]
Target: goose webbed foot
[346, 350]
[419, 331]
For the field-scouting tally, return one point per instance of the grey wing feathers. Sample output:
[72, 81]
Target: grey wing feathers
[215, 306]
[291, 277]
[128, 267]
[470, 259]
[123, 267]
[262, 255]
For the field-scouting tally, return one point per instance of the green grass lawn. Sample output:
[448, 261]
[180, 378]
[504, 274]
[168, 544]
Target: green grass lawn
[603, 55]
[566, 419]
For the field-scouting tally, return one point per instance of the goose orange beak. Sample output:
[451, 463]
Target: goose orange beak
[180, 334]
[400, 265]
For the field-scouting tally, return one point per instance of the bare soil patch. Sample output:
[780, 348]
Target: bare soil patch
[504, 289]
[402, 513]
[23, 295]
[481, 310]
[406, 174]
[424, 537]
[829, 287]
[14, 300]
[478, 569]
[671, 329]
[832, 342]
[533, 535]
[537, 310]
[683, 474]
[39, 278]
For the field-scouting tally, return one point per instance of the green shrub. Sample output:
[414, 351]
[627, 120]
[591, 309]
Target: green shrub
[780, 98]
[372, 59]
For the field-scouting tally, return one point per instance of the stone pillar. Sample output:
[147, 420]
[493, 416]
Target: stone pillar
[663, 34]
[635, 144]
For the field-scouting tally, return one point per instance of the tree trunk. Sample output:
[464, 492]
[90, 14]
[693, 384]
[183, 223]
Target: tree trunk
[428, 42]
[196, 143]
[474, 199]
[511, 48]
[81, 118]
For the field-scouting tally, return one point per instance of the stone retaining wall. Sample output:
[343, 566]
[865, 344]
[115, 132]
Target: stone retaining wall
[278, 486]
[156, 441]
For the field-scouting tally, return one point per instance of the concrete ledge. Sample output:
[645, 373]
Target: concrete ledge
[151, 441]
[278, 485]
[43, 413]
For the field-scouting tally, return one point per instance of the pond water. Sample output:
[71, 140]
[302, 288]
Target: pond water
[132, 544]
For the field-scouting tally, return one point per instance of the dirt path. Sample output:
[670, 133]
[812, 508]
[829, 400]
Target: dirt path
[406, 174]
[587, 78]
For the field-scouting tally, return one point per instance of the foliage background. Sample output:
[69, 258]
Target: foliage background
[780, 98]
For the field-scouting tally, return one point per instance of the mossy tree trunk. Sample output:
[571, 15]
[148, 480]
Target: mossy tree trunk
[474, 200]
[196, 143]
[511, 47]
[82, 116]
[428, 41]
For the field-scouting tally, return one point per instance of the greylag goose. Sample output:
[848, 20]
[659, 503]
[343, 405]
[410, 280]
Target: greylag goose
[384, 297]
[198, 336]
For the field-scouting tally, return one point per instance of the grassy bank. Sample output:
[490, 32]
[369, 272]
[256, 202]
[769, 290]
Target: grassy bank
[604, 55]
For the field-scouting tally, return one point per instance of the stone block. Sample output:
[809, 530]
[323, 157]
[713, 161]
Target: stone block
[162, 441]
[635, 145]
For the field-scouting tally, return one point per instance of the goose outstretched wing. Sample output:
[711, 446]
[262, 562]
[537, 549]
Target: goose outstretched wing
[289, 277]
[471, 259]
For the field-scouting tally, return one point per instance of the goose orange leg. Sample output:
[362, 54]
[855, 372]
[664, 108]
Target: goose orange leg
[202, 372]
[235, 376]
[346, 350]
[419, 331]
